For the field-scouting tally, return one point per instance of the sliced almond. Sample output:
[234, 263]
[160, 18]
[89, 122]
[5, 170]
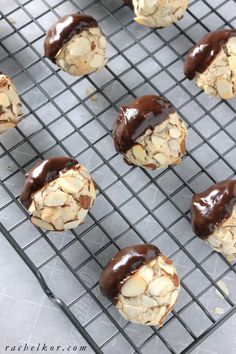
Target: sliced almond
[139, 152]
[174, 132]
[42, 224]
[97, 61]
[146, 273]
[174, 145]
[4, 100]
[82, 214]
[102, 42]
[160, 286]
[71, 224]
[213, 241]
[131, 311]
[70, 184]
[169, 269]
[161, 158]
[224, 88]
[148, 301]
[55, 198]
[157, 141]
[95, 30]
[232, 63]
[231, 44]
[160, 127]
[145, 21]
[80, 47]
[6, 126]
[134, 286]
[174, 297]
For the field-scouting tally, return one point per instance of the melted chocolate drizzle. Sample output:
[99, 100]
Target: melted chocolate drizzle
[134, 119]
[122, 266]
[213, 207]
[205, 51]
[63, 30]
[43, 173]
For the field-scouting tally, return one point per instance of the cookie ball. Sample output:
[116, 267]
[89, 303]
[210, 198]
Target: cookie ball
[212, 63]
[10, 104]
[58, 193]
[157, 13]
[141, 283]
[76, 44]
[149, 133]
[214, 217]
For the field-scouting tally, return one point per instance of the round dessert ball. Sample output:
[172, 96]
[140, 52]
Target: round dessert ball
[141, 283]
[10, 104]
[76, 44]
[149, 133]
[212, 63]
[214, 217]
[157, 13]
[58, 193]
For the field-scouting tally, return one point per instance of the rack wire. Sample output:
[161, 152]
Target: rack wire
[63, 116]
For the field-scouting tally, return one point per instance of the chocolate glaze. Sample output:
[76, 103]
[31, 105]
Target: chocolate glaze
[122, 266]
[213, 207]
[43, 173]
[63, 30]
[205, 51]
[135, 118]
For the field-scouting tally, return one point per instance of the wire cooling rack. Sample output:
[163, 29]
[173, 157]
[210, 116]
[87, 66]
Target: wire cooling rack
[74, 116]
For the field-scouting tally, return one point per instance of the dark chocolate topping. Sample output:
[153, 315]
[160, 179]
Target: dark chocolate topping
[63, 30]
[205, 51]
[43, 173]
[122, 266]
[135, 118]
[213, 207]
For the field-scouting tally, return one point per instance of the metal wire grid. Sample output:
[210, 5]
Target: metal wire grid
[133, 206]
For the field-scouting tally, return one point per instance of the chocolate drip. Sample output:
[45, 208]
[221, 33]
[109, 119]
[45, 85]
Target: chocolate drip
[122, 266]
[134, 119]
[205, 51]
[213, 207]
[63, 30]
[43, 173]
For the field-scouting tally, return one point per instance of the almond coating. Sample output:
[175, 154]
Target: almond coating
[58, 198]
[142, 284]
[76, 44]
[158, 13]
[10, 104]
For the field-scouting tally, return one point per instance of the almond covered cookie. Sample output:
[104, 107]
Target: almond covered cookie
[10, 104]
[149, 133]
[212, 63]
[76, 44]
[58, 193]
[214, 217]
[157, 13]
[141, 283]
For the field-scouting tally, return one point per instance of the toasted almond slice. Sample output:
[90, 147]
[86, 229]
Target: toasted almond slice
[146, 273]
[160, 127]
[161, 158]
[55, 198]
[4, 100]
[95, 30]
[224, 88]
[232, 63]
[97, 61]
[160, 286]
[145, 21]
[139, 152]
[71, 224]
[148, 301]
[174, 145]
[70, 184]
[42, 224]
[157, 141]
[80, 47]
[213, 241]
[102, 42]
[134, 286]
[82, 214]
[169, 269]
[231, 44]
[174, 297]
[131, 311]
[174, 132]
